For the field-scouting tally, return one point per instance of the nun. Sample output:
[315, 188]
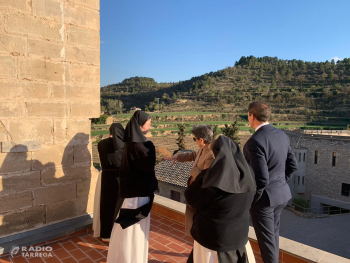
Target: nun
[110, 151]
[130, 234]
[221, 197]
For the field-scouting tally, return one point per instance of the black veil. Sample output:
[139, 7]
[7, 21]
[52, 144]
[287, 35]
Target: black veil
[230, 171]
[133, 132]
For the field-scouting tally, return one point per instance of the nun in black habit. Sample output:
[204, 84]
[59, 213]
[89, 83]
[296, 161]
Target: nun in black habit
[221, 197]
[130, 234]
[110, 151]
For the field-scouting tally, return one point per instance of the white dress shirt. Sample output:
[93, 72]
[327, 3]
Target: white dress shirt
[263, 124]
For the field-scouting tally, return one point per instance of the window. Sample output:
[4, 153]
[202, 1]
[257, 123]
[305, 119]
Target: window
[303, 180]
[299, 157]
[304, 157]
[345, 189]
[294, 179]
[298, 180]
[333, 159]
[175, 195]
[316, 157]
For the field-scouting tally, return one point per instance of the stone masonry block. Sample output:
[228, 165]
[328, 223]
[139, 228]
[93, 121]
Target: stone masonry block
[82, 55]
[60, 130]
[13, 44]
[81, 92]
[47, 8]
[40, 70]
[15, 162]
[31, 130]
[8, 109]
[14, 202]
[52, 156]
[23, 5]
[86, 187]
[81, 16]
[19, 182]
[34, 90]
[38, 109]
[58, 91]
[8, 67]
[78, 130]
[33, 217]
[66, 174]
[88, 110]
[94, 4]
[33, 26]
[82, 154]
[45, 49]
[84, 74]
[9, 90]
[1, 22]
[68, 209]
[54, 194]
[83, 37]
[3, 131]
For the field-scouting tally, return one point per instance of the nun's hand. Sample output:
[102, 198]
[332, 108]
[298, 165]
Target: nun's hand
[171, 158]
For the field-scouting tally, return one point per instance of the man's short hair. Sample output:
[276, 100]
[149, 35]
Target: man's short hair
[203, 131]
[261, 111]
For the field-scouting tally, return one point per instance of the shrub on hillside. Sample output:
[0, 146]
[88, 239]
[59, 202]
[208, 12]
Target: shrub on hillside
[101, 120]
[161, 152]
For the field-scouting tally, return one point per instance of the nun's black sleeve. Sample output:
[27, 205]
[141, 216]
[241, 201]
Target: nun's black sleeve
[147, 157]
[198, 197]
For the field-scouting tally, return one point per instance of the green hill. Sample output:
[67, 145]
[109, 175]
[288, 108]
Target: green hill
[292, 87]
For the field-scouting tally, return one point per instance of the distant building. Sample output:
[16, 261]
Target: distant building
[172, 179]
[134, 109]
[323, 176]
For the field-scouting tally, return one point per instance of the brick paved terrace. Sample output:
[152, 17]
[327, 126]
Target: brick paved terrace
[167, 243]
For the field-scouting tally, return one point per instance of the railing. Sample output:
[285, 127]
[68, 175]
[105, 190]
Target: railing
[323, 210]
[328, 132]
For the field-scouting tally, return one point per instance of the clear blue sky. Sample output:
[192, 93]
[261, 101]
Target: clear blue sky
[172, 40]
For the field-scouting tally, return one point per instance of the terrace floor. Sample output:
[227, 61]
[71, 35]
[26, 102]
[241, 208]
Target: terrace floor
[167, 244]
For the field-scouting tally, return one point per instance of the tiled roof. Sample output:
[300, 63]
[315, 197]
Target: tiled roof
[176, 174]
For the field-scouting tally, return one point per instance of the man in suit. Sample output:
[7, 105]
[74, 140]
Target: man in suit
[269, 154]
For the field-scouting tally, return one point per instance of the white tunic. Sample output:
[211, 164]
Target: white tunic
[205, 255]
[130, 245]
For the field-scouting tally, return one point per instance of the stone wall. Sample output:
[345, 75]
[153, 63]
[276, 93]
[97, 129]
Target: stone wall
[165, 190]
[324, 179]
[49, 86]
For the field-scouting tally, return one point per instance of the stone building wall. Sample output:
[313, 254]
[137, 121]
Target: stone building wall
[323, 179]
[165, 190]
[49, 88]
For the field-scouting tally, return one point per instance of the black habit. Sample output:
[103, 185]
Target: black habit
[137, 175]
[110, 151]
[221, 197]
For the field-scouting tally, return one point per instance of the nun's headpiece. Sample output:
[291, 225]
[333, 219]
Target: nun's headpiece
[133, 132]
[230, 171]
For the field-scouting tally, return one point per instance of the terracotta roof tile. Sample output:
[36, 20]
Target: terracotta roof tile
[176, 174]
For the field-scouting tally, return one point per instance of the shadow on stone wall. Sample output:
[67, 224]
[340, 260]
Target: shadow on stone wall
[35, 192]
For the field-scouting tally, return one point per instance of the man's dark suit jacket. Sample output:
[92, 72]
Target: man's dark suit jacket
[269, 153]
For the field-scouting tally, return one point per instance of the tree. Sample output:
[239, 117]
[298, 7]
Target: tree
[101, 120]
[231, 131]
[181, 138]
